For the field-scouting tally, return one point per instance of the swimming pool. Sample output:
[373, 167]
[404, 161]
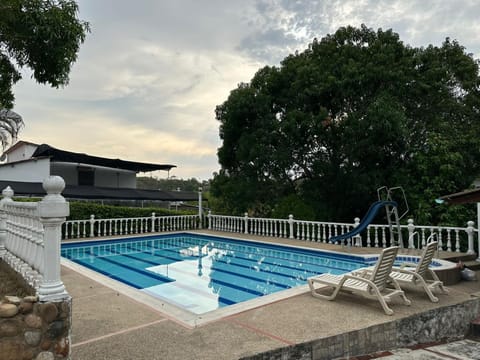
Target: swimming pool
[202, 273]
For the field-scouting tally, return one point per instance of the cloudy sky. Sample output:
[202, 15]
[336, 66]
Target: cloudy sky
[151, 72]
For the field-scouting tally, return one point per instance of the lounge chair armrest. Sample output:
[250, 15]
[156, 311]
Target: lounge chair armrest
[408, 264]
[368, 281]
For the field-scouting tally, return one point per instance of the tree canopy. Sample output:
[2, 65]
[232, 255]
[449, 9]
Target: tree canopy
[356, 110]
[42, 35]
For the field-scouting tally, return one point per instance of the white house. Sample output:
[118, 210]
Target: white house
[26, 165]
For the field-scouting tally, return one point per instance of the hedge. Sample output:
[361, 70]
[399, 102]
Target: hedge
[80, 210]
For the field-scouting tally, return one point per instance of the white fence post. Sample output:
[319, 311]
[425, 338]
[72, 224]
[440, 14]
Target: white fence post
[357, 239]
[411, 234]
[92, 225]
[153, 222]
[209, 216]
[53, 210]
[200, 209]
[7, 197]
[470, 230]
[290, 223]
[245, 217]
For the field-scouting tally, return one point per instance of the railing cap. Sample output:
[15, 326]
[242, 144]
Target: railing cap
[53, 204]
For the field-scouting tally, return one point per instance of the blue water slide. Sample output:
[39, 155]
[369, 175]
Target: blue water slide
[368, 218]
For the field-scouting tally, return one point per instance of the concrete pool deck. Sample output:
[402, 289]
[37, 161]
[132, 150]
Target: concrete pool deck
[109, 325]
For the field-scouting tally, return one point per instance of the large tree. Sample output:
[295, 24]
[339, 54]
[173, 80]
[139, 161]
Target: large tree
[42, 35]
[356, 110]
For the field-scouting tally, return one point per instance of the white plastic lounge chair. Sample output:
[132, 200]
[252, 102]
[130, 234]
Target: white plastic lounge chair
[373, 284]
[417, 274]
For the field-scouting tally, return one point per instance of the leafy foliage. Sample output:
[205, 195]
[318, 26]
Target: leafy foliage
[171, 184]
[80, 210]
[355, 111]
[43, 35]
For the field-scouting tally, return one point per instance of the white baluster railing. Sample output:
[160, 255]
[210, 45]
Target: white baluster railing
[376, 235]
[30, 238]
[453, 239]
[93, 227]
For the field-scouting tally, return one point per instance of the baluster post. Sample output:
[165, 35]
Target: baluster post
[470, 230]
[245, 222]
[7, 198]
[290, 224]
[209, 218]
[53, 210]
[357, 239]
[411, 231]
[200, 208]
[92, 225]
[153, 222]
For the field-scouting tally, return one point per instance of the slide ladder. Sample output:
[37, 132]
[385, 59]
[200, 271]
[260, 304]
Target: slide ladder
[393, 217]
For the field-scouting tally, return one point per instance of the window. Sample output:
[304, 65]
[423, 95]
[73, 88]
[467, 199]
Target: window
[86, 176]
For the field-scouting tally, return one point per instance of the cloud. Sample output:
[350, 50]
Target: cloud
[150, 74]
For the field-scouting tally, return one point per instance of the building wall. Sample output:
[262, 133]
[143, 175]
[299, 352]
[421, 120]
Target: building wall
[27, 171]
[104, 177]
[23, 152]
[115, 178]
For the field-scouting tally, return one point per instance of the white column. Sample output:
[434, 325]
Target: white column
[52, 211]
[470, 230]
[200, 209]
[290, 223]
[478, 230]
[7, 197]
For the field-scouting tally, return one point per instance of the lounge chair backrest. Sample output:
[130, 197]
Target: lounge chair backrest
[426, 259]
[383, 267]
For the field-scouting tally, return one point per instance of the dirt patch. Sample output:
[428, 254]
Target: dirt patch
[11, 283]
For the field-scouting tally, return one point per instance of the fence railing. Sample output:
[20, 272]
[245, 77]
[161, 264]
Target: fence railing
[30, 237]
[453, 239]
[93, 227]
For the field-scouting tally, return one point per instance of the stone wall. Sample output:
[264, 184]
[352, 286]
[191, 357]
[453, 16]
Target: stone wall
[445, 323]
[30, 329]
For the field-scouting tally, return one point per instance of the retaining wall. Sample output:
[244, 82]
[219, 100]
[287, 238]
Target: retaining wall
[442, 324]
[30, 329]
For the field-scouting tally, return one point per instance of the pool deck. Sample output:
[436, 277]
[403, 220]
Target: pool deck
[110, 325]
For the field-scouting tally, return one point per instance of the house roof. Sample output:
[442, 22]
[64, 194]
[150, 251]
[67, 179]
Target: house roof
[463, 197]
[57, 155]
[94, 192]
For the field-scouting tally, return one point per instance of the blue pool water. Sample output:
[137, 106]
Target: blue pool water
[202, 273]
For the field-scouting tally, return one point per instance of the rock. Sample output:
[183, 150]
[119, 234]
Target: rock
[13, 299]
[27, 354]
[46, 343]
[10, 350]
[33, 321]
[33, 338]
[55, 329]
[62, 347]
[9, 328]
[45, 355]
[30, 299]
[48, 312]
[8, 310]
[25, 307]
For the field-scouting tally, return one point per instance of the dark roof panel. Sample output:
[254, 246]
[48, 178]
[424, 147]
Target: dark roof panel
[464, 197]
[68, 156]
[93, 192]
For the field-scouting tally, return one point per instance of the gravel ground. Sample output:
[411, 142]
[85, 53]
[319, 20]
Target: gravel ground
[11, 283]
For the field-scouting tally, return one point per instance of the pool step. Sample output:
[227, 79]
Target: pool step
[472, 265]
